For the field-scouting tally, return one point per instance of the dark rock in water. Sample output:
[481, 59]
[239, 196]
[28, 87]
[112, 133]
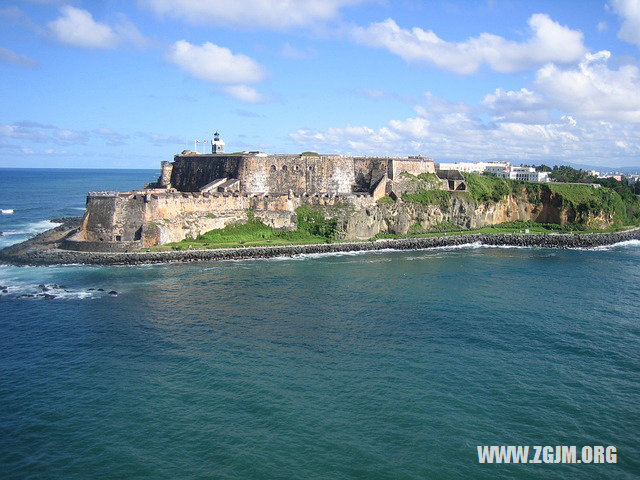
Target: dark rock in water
[4, 290]
[91, 289]
[101, 289]
[3, 287]
[26, 295]
[48, 296]
[113, 293]
[41, 286]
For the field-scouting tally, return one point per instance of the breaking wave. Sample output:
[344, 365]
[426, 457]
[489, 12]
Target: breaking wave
[625, 244]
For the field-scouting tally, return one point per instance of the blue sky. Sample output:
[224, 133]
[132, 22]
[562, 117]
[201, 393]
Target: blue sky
[120, 84]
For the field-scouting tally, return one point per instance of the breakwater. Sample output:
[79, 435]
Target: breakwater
[40, 251]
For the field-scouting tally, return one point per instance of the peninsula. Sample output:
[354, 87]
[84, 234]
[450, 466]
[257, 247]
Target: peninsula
[284, 204]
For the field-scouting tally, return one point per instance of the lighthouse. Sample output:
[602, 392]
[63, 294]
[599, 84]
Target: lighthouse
[217, 145]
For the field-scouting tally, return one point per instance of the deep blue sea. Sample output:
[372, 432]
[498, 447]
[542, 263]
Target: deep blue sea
[387, 365]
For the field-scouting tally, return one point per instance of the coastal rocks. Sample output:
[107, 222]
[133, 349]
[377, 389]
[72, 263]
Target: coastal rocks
[54, 256]
[53, 291]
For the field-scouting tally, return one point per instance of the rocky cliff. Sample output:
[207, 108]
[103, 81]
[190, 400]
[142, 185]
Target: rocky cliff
[460, 210]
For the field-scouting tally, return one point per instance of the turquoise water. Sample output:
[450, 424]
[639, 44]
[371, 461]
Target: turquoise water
[377, 365]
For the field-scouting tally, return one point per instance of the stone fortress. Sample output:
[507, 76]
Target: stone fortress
[200, 192]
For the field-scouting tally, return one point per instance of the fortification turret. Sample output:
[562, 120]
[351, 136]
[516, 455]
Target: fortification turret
[217, 145]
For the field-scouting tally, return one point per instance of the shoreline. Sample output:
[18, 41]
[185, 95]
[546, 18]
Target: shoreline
[43, 248]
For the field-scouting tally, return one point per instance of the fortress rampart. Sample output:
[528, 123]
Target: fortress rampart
[199, 192]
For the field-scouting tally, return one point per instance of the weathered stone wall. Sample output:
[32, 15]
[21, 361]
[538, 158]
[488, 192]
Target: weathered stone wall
[155, 217]
[165, 174]
[414, 166]
[192, 172]
[322, 174]
[113, 217]
[368, 171]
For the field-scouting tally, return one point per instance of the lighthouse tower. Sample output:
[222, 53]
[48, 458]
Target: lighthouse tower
[217, 145]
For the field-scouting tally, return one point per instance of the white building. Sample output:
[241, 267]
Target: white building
[527, 174]
[472, 167]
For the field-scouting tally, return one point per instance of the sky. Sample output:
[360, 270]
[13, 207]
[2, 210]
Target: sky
[127, 84]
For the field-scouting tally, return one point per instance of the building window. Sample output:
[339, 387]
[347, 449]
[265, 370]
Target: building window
[284, 168]
[311, 168]
[273, 168]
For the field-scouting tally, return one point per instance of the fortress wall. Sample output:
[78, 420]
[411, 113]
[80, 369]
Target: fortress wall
[368, 171]
[170, 206]
[97, 222]
[111, 218]
[300, 174]
[276, 174]
[158, 217]
[413, 166]
[171, 217]
[191, 172]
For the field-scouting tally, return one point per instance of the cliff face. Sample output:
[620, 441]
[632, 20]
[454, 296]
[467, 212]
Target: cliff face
[405, 217]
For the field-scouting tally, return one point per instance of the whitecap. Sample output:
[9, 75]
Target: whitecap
[6, 211]
[32, 228]
[624, 244]
[57, 292]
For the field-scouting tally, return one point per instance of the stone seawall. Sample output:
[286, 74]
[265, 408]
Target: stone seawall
[36, 256]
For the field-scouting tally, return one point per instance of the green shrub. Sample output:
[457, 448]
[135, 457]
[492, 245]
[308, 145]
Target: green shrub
[313, 221]
[482, 188]
[429, 197]
[443, 227]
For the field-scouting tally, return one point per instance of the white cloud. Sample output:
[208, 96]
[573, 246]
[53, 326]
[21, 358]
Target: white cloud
[269, 14]
[23, 132]
[78, 28]
[13, 58]
[456, 133]
[111, 137]
[216, 64]
[629, 12]
[593, 90]
[244, 93]
[522, 106]
[549, 42]
[128, 33]
[69, 137]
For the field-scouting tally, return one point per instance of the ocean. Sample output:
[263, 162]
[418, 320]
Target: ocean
[374, 365]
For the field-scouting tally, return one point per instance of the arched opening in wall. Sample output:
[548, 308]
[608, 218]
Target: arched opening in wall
[311, 168]
[284, 168]
[296, 168]
[138, 234]
[118, 238]
[273, 168]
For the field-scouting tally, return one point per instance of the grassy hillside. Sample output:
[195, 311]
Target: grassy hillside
[584, 200]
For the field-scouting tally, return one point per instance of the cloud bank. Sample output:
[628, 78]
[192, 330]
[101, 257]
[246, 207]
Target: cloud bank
[549, 42]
